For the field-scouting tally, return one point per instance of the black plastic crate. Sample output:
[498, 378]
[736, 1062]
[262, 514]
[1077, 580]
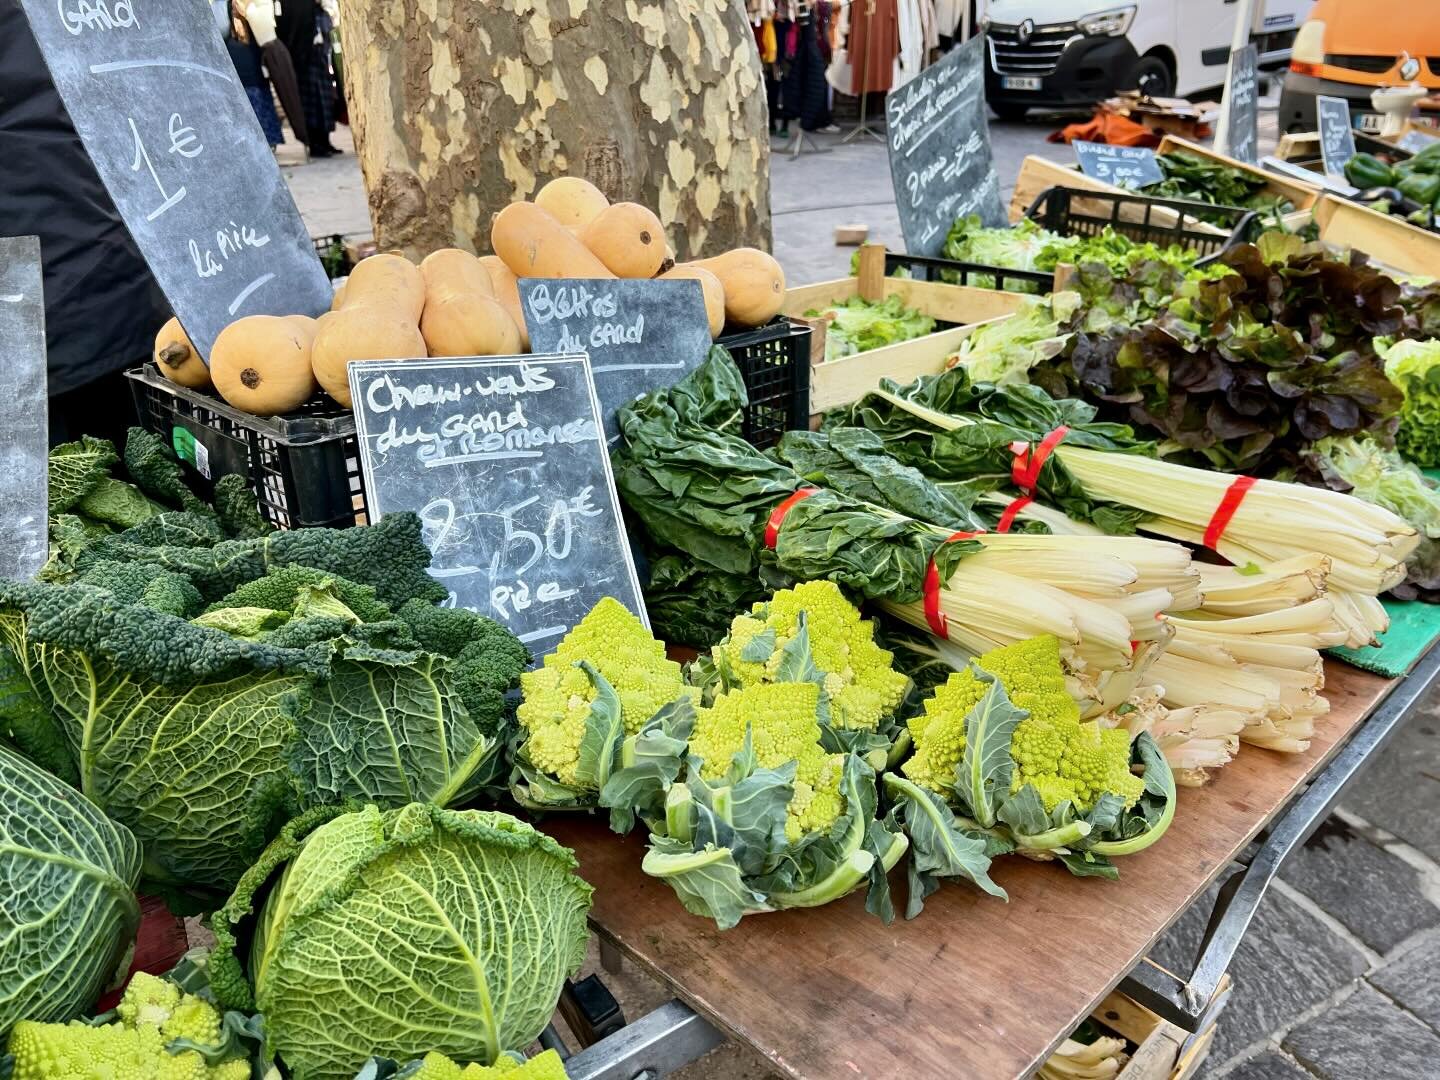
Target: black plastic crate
[304, 467]
[333, 255]
[775, 362]
[1072, 212]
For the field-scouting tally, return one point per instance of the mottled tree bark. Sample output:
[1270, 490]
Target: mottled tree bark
[462, 106]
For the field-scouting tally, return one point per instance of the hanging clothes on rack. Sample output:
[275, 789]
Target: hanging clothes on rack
[874, 45]
[840, 73]
[910, 57]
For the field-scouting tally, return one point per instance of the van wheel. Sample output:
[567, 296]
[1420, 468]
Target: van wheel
[1152, 77]
[1009, 110]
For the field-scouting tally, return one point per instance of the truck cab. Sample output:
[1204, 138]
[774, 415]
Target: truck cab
[1060, 54]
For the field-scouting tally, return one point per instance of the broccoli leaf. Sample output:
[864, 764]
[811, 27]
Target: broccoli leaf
[983, 776]
[939, 847]
[707, 881]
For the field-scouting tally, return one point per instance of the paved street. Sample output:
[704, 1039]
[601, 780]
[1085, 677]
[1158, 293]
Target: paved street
[1337, 978]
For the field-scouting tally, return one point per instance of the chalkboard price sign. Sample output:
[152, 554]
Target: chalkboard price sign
[154, 96]
[1416, 141]
[503, 459]
[23, 468]
[1337, 140]
[940, 159]
[639, 335]
[1242, 105]
[1124, 166]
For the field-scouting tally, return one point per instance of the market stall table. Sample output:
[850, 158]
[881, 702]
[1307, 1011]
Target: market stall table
[974, 986]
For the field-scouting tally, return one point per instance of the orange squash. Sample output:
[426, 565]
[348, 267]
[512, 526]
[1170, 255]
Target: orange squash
[261, 364]
[387, 279]
[454, 270]
[711, 289]
[468, 324]
[361, 333]
[628, 239]
[507, 291]
[534, 245]
[754, 285]
[177, 359]
[572, 201]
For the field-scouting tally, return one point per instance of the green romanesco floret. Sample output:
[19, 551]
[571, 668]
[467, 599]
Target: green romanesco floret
[1061, 757]
[544, 1066]
[152, 1013]
[860, 679]
[558, 695]
[783, 722]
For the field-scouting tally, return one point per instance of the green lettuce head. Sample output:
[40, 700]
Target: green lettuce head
[401, 932]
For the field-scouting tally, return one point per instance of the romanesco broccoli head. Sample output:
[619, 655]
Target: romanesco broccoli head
[152, 1013]
[1062, 758]
[782, 719]
[544, 1066]
[860, 679]
[558, 695]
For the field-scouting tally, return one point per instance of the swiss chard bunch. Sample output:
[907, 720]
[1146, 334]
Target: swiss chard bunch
[1243, 372]
[1197, 179]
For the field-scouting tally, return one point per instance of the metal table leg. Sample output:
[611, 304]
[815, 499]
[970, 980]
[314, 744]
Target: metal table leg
[648, 1048]
[1186, 1003]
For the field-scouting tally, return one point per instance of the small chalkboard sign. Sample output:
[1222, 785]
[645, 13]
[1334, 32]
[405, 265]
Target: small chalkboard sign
[1415, 141]
[1337, 139]
[504, 461]
[1242, 105]
[638, 334]
[1124, 166]
[940, 159]
[156, 100]
[24, 469]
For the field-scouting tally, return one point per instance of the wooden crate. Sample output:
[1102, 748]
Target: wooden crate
[1037, 174]
[840, 382]
[1159, 1050]
[1390, 241]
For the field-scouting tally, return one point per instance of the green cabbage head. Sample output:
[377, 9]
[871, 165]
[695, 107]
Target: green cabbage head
[399, 932]
[68, 913]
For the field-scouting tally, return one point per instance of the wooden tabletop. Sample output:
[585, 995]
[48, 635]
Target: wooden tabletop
[974, 987]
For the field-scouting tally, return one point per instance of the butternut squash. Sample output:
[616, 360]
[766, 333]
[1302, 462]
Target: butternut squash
[571, 200]
[628, 239]
[177, 359]
[468, 324]
[754, 285]
[305, 326]
[261, 364]
[710, 287]
[452, 270]
[361, 333]
[535, 245]
[338, 300]
[507, 291]
[387, 279]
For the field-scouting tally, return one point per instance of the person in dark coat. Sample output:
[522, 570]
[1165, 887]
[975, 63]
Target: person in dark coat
[102, 306]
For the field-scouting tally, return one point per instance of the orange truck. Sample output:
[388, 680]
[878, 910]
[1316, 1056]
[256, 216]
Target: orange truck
[1350, 48]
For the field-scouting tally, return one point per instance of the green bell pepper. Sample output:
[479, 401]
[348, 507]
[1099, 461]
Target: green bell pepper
[1366, 171]
[1424, 188]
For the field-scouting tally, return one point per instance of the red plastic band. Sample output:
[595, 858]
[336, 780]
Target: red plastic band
[1011, 512]
[772, 527]
[933, 615]
[1025, 471]
[1220, 520]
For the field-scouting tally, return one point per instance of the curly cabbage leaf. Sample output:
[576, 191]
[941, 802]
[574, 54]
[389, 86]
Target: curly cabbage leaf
[203, 742]
[403, 932]
[67, 906]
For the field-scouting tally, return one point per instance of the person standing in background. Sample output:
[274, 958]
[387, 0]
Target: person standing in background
[298, 24]
[245, 54]
[102, 306]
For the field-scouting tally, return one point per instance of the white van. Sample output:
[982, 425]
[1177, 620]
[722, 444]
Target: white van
[1059, 54]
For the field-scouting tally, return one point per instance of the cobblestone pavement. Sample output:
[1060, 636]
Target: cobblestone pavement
[1337, 979]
